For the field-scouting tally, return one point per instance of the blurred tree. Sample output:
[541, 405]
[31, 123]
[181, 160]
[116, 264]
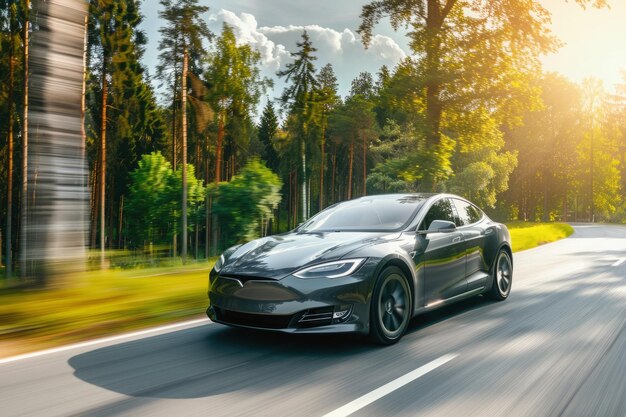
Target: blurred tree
[56, 228]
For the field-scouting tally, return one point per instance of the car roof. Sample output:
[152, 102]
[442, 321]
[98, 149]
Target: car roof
[398, 195]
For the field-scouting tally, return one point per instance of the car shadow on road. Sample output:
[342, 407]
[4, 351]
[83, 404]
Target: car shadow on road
[214, 359]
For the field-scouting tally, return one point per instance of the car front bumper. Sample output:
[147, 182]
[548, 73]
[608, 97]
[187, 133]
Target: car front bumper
[294, 305]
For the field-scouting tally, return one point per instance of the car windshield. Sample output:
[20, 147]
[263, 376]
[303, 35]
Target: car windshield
[383, 213]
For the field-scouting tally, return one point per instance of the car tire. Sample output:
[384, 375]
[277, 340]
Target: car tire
[390, 310]
[502, 276]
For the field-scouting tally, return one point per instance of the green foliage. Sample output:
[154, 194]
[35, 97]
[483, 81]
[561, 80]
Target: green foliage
[235, 87]
[379, 183]
[363, 85]
[245, 204]
[154, 199]
[469, 57]
[147, 200]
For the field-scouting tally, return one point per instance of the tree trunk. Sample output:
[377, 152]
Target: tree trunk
[103, 159]
[207, 200]
[433, 79]
[24, 199]
[364, 165]
[95, 192]
[303, 180]
[55, 231]
[196, 229]
[174, 124]
[322, 167]
[9, 230]
[295, 198]
[220, 144]
[351, 163]
[289, 200]
[183, 106]
[332, 187]
[120, 222]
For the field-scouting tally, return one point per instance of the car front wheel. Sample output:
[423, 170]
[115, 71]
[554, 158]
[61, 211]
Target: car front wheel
[391, 307]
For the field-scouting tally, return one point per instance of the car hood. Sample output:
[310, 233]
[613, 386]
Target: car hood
[277, 256]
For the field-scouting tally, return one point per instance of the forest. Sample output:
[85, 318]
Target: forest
[184, 162]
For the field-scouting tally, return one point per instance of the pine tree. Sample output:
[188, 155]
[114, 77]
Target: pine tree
[328, 99]
[299, 98]
[268, 127]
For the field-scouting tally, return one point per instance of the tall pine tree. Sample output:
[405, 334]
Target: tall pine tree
[299, 98]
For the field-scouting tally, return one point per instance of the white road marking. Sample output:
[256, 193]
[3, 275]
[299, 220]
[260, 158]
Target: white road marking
[619, 262]
[104, 340]
[378, 393]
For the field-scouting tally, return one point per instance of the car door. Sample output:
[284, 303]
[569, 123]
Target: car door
[441, 255]
[474, 234]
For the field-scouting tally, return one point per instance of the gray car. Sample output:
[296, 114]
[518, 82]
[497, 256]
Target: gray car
[366, 265]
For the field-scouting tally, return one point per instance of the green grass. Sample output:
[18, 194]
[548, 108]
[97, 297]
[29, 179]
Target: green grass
[99, 303]
[525, 235]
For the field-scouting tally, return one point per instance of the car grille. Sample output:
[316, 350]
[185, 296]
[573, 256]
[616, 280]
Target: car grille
[267, 321]
[309, 318]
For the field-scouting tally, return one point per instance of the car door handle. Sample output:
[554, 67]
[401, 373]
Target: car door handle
[488, 232]
[456, 239]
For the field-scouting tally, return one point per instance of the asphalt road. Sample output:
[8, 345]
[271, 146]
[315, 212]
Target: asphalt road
[556, 347]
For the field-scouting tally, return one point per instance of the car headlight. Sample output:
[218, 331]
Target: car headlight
[335, 269]
[219, 264]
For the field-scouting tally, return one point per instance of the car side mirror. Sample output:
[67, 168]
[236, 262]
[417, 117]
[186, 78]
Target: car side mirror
[439, 226]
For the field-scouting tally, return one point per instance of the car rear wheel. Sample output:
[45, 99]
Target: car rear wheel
[391, 307]
[502, 276]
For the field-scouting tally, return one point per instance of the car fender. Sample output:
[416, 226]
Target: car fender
[390, 255]
[503, 245]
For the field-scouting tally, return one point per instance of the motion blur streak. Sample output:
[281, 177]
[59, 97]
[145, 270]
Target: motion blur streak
[57, 176]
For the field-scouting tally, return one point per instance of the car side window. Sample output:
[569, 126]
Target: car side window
[468, 213]
[441, 210]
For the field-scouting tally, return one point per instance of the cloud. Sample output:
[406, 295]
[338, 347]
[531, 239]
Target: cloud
[246, 31]
[343, 49]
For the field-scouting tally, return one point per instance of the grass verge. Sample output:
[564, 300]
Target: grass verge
[99, 303]
[529, 235]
